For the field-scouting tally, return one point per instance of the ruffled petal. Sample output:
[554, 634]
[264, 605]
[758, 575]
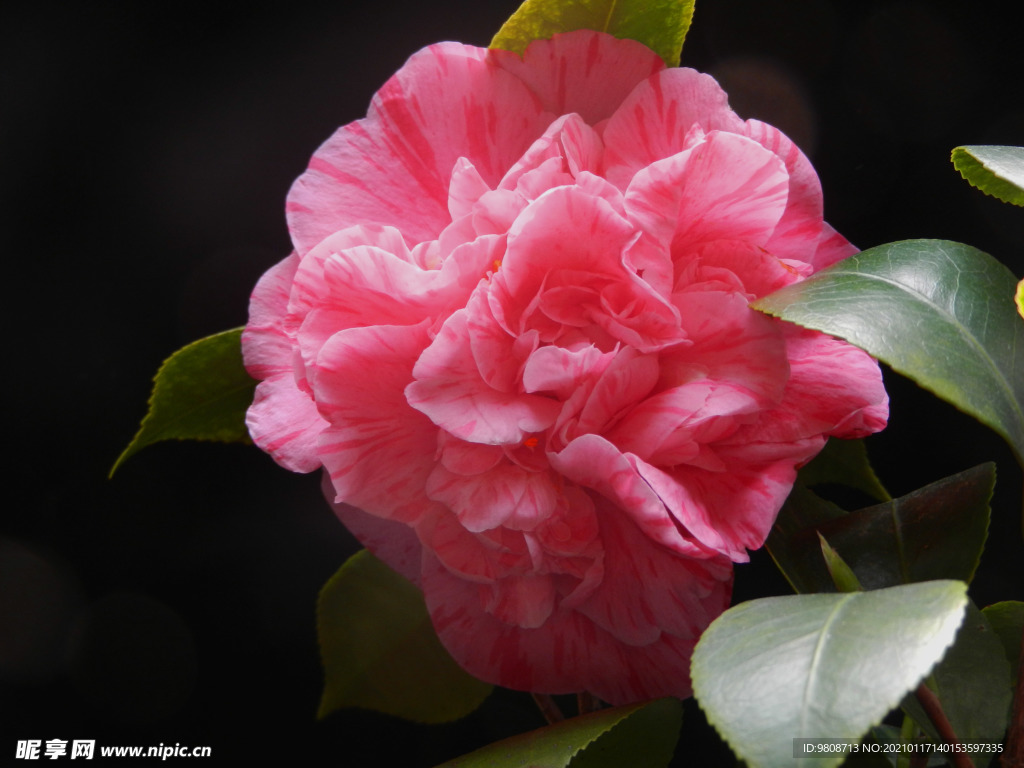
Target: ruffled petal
[393, 167]
[379, 451]
[663, 116]
[727, 187]
[451, 392]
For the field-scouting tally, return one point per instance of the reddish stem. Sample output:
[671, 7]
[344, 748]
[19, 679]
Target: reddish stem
[1013, 757]
[548, 708]
[587, 702]
[930, 702]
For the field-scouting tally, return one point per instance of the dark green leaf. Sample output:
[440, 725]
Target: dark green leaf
[380, 650]
[936, 311]
[819, 666]
[936, 532]
[842, 575]
[640, 735]
[1007, 621]
[792, 542]
[201, 392]
[661, 25]
[996, 171]
[972, 684]
[844, 462]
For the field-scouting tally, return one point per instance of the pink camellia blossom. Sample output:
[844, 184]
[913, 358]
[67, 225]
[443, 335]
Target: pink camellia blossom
[515, 333]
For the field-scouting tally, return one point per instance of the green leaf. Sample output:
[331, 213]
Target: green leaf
[842, 575]
[1019, 298]
[972, 684]
[844, 462]
[791, 541]
[380, 650]
[201, 392]
[996, 171]
[934, 310]
[640, 735]
[819, 666]
[1007, 621]
[661, 25]
[936, 532]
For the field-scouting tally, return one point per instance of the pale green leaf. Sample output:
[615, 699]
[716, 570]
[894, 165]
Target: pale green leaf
[819, 666]
[201, 392]
[380, 650]
[637, 735]
[995, 170]
[661, 25]
[936, 311]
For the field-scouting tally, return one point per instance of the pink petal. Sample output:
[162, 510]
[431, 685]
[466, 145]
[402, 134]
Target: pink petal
[266, 346]
[450, 390]
[378, 451]
[671, 594]
[570, 652]
[727, 187]
[658, 118]
[729, 511]
[834, 389]
[284, 421]
[595, 463]
[503, 495]
[565, 266]
[393, 167]
[731, 343]
[586, 72]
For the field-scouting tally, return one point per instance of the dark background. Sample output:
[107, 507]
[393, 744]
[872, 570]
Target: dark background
[145, 152]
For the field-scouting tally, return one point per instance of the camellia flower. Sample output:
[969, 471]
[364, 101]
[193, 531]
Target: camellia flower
[515, 333]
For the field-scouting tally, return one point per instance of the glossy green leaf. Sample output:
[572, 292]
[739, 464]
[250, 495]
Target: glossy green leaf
[996, 171]
[842, 575]
[819, 666]
[972, 683]
[936, 532]
[380, 650]
[637, 735]
[1007, 621]
[201, 392]
[661, 25]
[936, 311]
[844, 462]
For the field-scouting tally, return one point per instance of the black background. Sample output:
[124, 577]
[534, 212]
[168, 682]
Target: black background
[145, 152]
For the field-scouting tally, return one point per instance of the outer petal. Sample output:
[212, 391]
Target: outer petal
[573, 652]
[586, 72]
[378, 451]
[834, 389]
[663, 116]
[283, 419]
[394, 167]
